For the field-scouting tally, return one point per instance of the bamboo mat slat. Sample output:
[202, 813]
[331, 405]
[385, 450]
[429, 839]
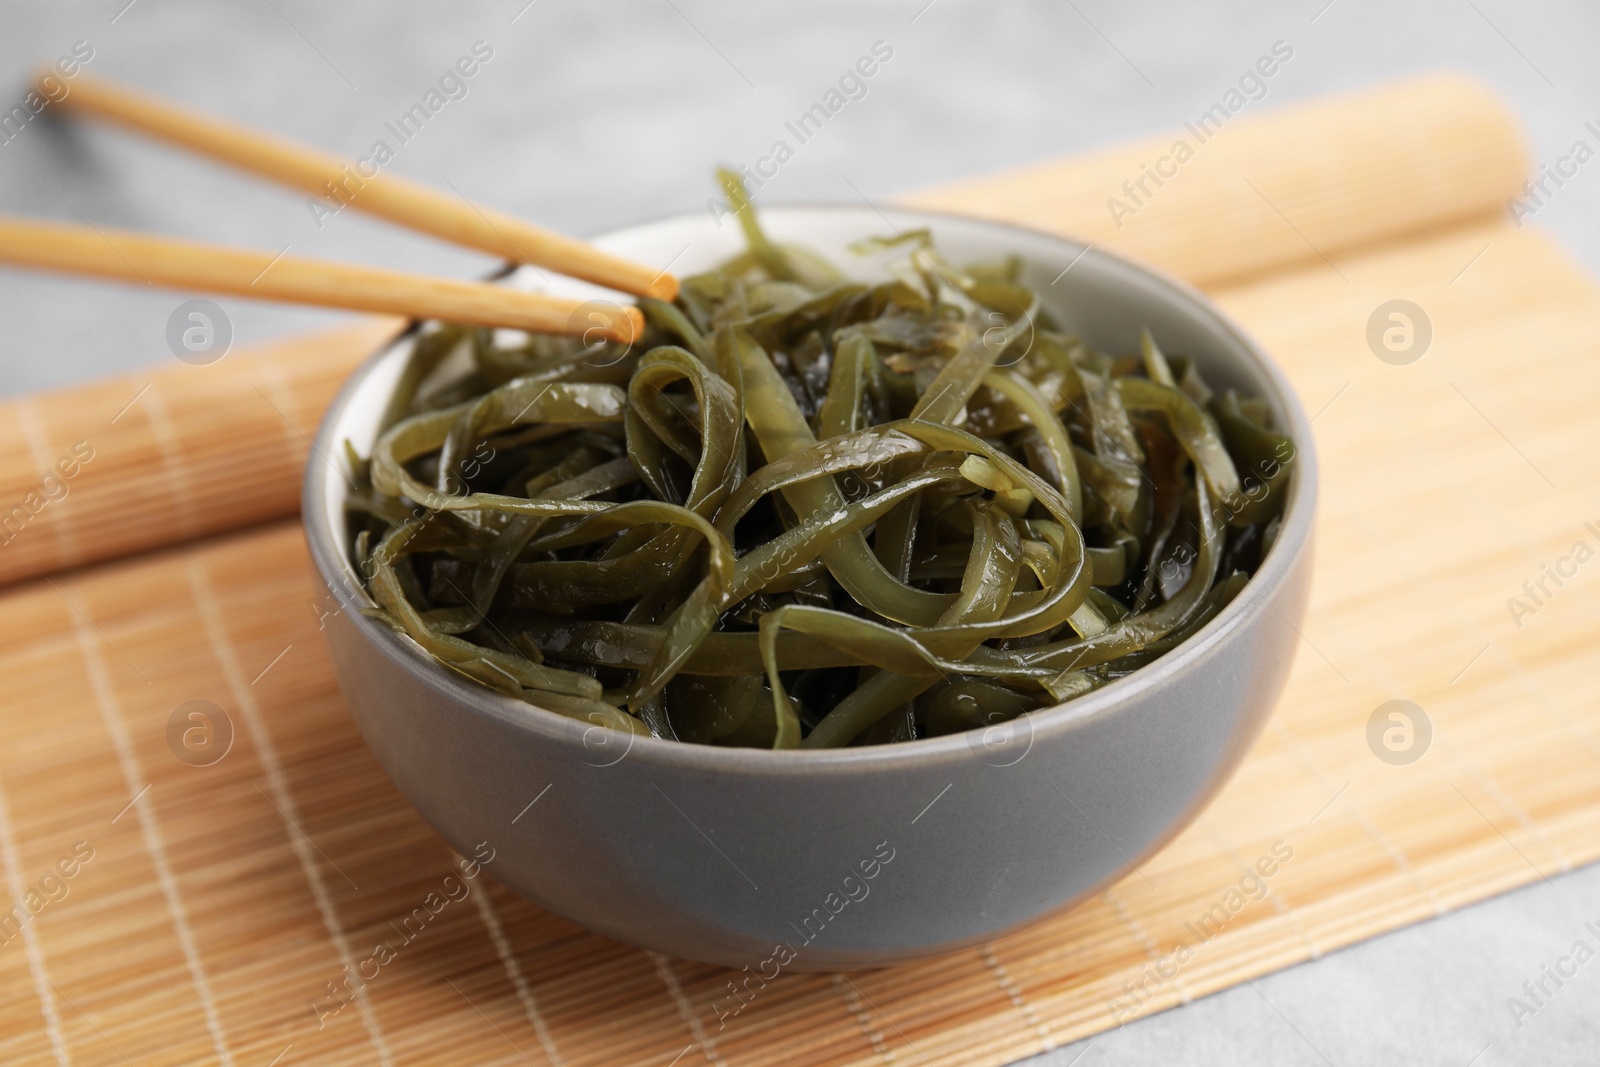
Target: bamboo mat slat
[220, 902]
[1244, 193]
[169, 454]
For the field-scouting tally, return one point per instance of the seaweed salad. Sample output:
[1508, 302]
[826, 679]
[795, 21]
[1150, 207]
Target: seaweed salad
[805, 511]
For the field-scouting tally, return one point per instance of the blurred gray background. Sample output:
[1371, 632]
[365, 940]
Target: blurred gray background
[589, 116]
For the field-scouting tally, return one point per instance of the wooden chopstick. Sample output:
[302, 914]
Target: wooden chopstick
[397, 199]
[139, 257]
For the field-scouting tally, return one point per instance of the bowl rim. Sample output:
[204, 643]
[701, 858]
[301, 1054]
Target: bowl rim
[333, 568]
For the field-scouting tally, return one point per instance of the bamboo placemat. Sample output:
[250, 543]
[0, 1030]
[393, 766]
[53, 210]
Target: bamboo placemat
[219, 901]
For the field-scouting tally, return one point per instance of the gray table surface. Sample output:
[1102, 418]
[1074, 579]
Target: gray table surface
[591, 116]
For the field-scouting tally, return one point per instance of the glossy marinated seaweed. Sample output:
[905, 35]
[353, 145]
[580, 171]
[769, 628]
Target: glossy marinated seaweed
[805, 511]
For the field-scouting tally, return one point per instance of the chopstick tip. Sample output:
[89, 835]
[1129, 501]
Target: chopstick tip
[663, 287]
[629, 326]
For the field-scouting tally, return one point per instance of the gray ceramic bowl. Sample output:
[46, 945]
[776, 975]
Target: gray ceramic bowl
[852, 858]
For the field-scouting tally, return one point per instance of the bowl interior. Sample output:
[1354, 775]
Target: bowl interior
[1103, 298]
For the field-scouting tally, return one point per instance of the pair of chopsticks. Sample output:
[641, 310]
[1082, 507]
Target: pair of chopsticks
[166, 261]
